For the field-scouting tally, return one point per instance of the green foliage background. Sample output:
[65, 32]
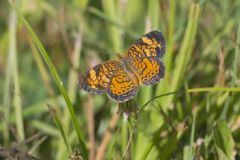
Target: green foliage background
[47, 44]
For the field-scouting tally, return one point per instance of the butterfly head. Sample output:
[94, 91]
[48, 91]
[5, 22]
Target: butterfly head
[123, 61]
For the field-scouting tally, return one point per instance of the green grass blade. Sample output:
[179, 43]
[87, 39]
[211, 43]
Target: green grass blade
[170, 38]
[42, 70]
[56, 79]
[6, 103]
[168, 57]
[17, 101]
[111, 11]
[153, 14]
[147, 150]
[223, 139]
[236, 61]
[71, 86]
[221, 155]
[187, 46]
[45, 128]
[214, 89]
[60, 127]
[192, 138]
[111, 21]
[185, 52]
[186, 152]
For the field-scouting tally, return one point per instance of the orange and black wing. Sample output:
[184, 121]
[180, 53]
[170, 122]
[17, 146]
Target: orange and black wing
[144, 57]
[148, 69]
[97, 79]
[123, 85]
[151, 44]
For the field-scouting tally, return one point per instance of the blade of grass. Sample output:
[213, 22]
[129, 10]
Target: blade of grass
[169, 51]
[236, 60]
[60, 127]
[6, 102]
[170, 38]
[45, 128]
[111, 11]
[221, 155]
[124, 135]
[186, 152]
[72, 85]
[223, 139]
[191, 155]
[56, 79]
[186, 47]
[147, 150]
[153, 14]
[164, 85]
[36, 145]
[111, 21]
[169, 147]
[42, 70]
[185, 52]
[214, 89]
[17, 102]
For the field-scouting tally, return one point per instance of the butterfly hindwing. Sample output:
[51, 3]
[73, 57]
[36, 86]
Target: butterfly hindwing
[149, 69]
[123, 85]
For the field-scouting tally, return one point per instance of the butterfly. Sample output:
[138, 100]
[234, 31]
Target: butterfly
[120, 79]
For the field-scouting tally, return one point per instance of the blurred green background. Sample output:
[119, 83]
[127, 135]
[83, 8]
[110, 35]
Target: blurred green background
[39, 119]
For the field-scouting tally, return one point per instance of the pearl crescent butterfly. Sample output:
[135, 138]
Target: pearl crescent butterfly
[120, 79]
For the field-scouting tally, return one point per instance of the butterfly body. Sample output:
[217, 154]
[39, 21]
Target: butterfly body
[121, 78]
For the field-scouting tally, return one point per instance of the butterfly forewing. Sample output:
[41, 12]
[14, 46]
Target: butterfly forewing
[151, 44]
[97, 79]
[144, 57]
